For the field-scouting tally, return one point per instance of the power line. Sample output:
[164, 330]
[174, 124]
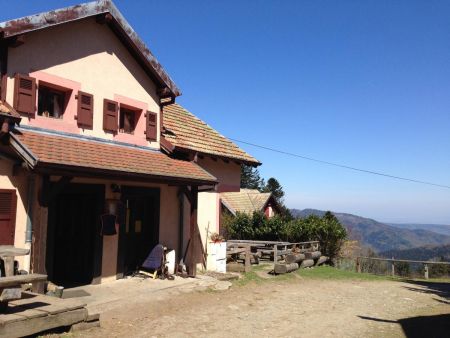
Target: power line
[341, 165]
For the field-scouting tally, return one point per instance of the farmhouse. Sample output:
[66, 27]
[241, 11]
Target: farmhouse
[98, 163]
[249, 201]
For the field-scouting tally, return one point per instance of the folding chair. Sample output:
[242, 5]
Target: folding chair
[154, 264]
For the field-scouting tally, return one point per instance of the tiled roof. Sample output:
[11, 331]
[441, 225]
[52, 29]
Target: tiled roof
[245, 201]
[186, 131]
[7, 111]
[57, 150]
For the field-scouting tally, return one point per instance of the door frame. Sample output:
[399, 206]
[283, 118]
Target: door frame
[153, 192]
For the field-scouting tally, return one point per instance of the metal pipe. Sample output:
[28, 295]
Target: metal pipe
[30, 196]
[29, 225]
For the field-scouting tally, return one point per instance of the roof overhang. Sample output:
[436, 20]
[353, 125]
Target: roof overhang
[106, 12]
[174, 148]
[63, 165]
[229, 207]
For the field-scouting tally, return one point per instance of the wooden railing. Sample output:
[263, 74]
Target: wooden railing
[393, 261]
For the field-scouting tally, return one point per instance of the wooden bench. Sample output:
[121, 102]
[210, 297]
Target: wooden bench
[11, 287]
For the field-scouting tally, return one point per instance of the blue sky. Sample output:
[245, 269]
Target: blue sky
[363, 83]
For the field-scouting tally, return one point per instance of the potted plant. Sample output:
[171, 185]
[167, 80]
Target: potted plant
[216, 238]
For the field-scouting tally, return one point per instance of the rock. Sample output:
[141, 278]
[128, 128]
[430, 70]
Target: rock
[222, 285]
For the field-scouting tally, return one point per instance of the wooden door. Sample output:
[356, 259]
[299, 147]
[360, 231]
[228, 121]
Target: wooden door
[8, 206]
[139, 232]
[74, 240]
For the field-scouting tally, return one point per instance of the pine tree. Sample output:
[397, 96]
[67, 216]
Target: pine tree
[250, 178]
[275, 188]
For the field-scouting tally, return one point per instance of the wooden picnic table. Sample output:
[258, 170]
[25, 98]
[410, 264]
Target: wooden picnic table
[7, 254]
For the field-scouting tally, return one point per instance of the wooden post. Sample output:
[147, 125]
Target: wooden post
[9, 265]
[247, 258]
[426, 270]
[275, 254]
[392, 267]
[358, 265]
[192, 265]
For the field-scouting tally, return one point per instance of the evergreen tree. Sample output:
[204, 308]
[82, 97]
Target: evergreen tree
[250, 178]
[275, 188]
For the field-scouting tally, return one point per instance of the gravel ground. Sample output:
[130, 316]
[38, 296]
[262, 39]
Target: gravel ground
[296, 307]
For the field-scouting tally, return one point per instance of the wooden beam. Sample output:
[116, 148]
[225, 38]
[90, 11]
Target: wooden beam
[294, 258]
[164, 93]
[187, 193]
[50, 190]
[313, 255]
[104, 18]
[307, 263]
[192, 226]
[285, 268]
[321, 260]
[13, 281]
[3, 70]
[17, 41]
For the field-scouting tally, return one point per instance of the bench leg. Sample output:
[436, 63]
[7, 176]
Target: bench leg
[38, 287]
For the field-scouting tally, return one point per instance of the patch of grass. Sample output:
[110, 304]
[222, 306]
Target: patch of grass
[247, 278]
[321, 272]
[328, 272]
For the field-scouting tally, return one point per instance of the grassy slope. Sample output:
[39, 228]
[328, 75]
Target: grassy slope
[321, 272]
[328, 272]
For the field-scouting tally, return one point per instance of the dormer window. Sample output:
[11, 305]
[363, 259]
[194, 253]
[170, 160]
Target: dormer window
[127, 119]
[51, 101]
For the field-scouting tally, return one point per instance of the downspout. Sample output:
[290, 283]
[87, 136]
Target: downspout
[29, 225]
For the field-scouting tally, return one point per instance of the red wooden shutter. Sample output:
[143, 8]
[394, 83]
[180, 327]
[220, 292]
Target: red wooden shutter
[110, 115]
[8, 203]
[25, 94]
[151, 127]
[85, 109]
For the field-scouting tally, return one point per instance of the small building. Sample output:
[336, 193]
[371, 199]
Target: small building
[97, 162]
[248, 201]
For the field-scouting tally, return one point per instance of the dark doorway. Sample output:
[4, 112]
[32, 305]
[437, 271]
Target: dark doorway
[74, 243]
[139, 228]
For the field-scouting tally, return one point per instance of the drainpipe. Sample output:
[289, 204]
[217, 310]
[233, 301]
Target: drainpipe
[29, 226]
[180, 225]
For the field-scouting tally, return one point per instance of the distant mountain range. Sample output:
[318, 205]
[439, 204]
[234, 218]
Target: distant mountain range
[438, 228]
[420, 254]
[384, 237]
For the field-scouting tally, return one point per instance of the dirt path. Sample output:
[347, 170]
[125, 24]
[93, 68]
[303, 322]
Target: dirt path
[298, 307]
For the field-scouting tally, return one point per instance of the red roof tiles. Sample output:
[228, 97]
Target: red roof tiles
[57, 150]
[185, 130]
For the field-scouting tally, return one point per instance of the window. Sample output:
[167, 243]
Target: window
[127, 120]
[51, 102]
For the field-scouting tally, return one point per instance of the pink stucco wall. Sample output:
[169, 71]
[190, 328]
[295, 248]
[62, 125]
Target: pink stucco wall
[86, 56]
[228, 173]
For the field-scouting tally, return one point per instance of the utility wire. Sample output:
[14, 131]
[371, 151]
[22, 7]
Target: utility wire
[342, 165]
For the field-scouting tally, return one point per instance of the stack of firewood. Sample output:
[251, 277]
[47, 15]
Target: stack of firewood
[296, 260]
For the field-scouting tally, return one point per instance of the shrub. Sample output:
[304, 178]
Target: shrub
[327, 230]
